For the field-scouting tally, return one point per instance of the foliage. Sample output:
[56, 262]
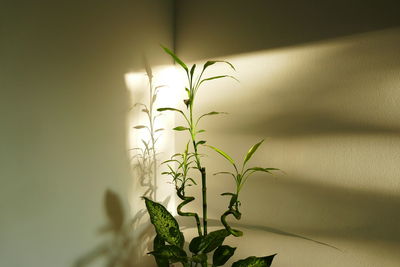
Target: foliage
[168, 243]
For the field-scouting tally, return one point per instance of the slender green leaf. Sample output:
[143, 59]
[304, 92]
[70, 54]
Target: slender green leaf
[159, 130]
[180, 128]
[202, 142]
[260, 169]
[177, 60]
[200, 131]
[251, 151]
[170, 109]
[190, 179]
[209, 114]
[218, 77]
[192, 71]
[218, 173]
[222, 254]
[164, 223]
[212, 62]
[222, 153]
[255, 262]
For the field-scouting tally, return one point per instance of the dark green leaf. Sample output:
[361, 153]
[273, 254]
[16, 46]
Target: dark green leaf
[194, 245]
[159, 244]
[223, 154]
[255, 262]
[171, 253]
[200, 258]
[180, 62]
[192, 70]
[165, 224]
[180, 128]
[251, 151]
[213, 240]
[170, 109]
[202, 142]
[222, 254]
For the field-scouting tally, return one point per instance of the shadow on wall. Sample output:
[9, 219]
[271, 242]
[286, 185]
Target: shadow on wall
[327, 211]
[127, 240]
[259, 25]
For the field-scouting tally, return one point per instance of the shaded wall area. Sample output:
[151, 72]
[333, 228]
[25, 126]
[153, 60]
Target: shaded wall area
[236, 27]
[321, 86]
[63, 109]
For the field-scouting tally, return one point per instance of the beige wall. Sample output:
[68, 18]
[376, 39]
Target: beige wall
[63, 114]
[321, 83]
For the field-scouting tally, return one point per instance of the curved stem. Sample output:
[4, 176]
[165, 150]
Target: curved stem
[237, 216]
[186, 200]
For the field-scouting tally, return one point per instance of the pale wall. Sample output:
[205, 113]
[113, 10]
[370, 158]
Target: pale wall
[63, 114]
[320, 82]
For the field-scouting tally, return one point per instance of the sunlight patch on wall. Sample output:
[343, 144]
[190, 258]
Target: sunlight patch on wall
[166, 82]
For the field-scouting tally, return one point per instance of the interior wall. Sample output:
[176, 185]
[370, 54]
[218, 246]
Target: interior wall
[66, 182]
[319, 82]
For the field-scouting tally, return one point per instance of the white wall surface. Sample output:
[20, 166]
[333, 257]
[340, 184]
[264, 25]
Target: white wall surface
[64, 116]
[320, 82]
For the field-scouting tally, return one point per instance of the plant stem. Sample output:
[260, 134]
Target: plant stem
[199, 167]
[204, 197]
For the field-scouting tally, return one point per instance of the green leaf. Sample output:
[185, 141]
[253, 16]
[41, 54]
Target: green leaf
[165, 224]
[218, 77]
[192, 70]
[171, 253]
[222, 254]
[213, 240]
[200, 258]
[202, 142]
[194, 245]
[255, 262]
[180, 128]
[223, 154]
[251, 151]
[260, 169]
[170, 109]
[139, 127]
[218, 173]
[212, 62]
[159, 130]
[209, 114]
[177, 60]
[159, 244]
[200, 131]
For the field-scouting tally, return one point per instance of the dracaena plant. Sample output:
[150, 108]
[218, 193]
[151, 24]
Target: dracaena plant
[169, 240]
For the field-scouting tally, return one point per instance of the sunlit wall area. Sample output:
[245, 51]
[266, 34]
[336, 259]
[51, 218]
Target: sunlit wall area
[325, 101]
[66, 178]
